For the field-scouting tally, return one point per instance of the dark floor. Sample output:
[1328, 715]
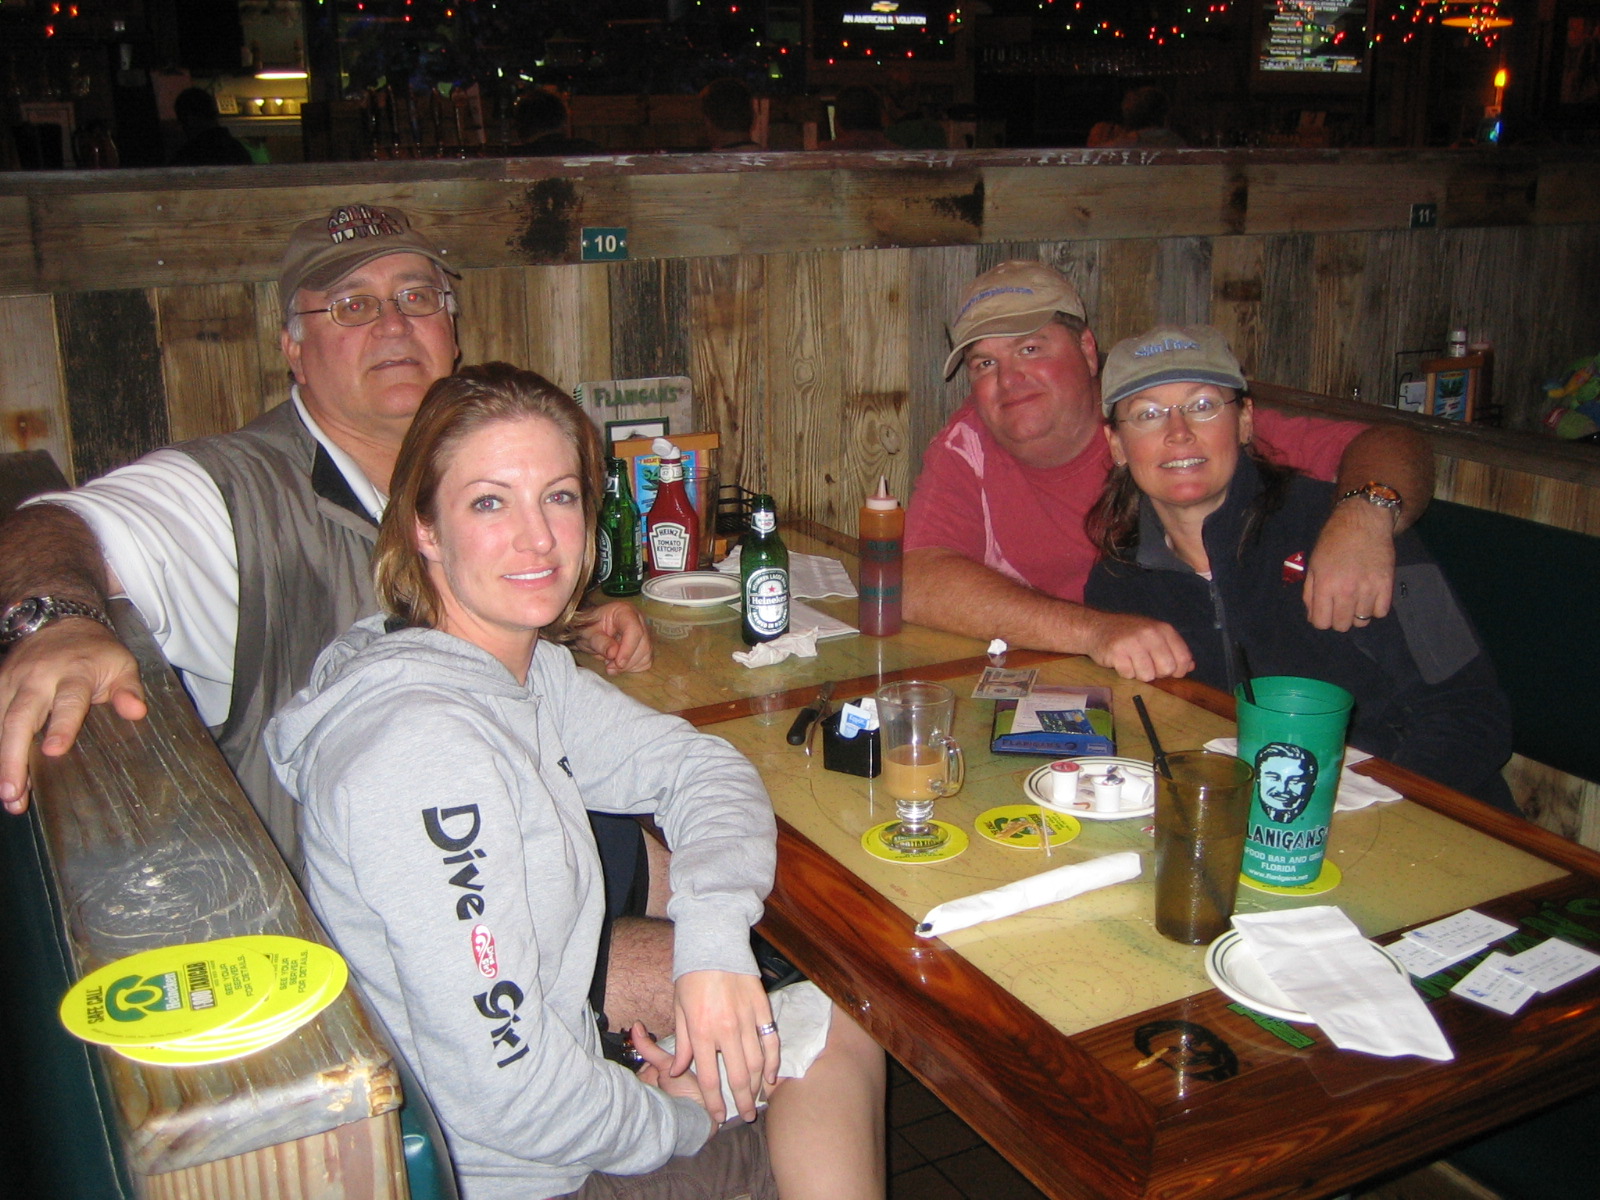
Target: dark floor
[933, 1155]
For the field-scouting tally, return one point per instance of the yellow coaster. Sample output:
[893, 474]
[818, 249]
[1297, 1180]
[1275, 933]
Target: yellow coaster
[308, 977]
[875, 842]
[1017, 825]
[161, 995]
[170, 1056]
[1327, 879]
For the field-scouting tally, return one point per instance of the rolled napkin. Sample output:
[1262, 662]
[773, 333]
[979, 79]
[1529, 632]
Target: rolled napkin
[1047, 887]
[1322, 963]
[802, 643]
[1355, 791]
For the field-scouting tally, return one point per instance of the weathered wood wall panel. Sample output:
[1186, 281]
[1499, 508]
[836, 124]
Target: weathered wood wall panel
[727, 306]
[33, 399]
[649, 318]
[210, 357]
[116, 400]
[875, 426]
[569, 324]
[805, 394]
[494, 316]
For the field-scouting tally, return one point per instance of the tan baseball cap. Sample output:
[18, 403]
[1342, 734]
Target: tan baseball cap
[1010, 300]
[324, 250]
[1168, 354]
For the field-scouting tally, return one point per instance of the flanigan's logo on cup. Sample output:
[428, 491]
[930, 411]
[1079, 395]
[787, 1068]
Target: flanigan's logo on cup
[1294, 737]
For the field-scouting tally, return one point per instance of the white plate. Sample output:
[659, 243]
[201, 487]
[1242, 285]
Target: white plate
[1239, 976]
[693, 589]
[1092, 765]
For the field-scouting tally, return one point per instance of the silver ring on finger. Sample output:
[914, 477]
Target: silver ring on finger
[764, 1030]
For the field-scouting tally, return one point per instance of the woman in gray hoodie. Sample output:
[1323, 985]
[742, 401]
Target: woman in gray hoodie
[444, 759]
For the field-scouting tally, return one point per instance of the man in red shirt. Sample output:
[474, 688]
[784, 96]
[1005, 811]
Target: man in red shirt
[995, 544]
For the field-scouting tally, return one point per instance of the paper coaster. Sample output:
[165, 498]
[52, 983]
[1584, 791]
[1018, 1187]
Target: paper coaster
[875, 842]
[206, 1002]
[1329, 878]
[167, 994]
[307, 978]
[1017, 825]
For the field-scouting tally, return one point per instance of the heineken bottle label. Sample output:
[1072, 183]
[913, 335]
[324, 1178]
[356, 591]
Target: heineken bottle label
[669, 546]
[606, 558]
[763, 522]
[766, 600]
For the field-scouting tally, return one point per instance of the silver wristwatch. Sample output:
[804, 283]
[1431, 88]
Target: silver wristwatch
[35, 612]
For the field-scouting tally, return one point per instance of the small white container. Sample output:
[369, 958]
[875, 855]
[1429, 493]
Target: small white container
[1108, 791]
[1065, 776]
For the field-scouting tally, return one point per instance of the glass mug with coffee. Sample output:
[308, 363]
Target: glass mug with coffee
[921, 761]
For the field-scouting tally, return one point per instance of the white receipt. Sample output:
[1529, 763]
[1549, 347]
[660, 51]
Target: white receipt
[1421, 961]
[1550, 964]
[1490, 986]
[1469, 931]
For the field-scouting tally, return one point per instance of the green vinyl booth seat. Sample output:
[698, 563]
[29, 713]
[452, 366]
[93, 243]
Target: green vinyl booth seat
[1533, 591]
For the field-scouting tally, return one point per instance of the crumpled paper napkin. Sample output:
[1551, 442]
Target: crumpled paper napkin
[1319, 959]
[1355, 791]
[1047, 887]
[802, 643]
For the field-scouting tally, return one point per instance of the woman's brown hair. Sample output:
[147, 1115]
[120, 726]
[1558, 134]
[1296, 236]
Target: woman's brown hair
[454, 407]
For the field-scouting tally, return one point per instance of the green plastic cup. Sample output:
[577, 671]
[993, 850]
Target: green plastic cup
[1293, 735]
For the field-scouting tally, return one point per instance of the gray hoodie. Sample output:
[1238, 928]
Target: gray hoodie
[448, 854]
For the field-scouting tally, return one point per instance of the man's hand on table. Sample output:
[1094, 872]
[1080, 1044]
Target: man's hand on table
[616, 633]
[720, 1011]
[1136, 647]
[1350, 574]
[48, 680]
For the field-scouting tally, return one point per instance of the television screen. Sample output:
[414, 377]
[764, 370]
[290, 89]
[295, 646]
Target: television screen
[1305, 39]
[865, 29]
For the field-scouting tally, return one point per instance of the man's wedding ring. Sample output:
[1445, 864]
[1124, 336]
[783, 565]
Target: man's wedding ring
[769, 1027]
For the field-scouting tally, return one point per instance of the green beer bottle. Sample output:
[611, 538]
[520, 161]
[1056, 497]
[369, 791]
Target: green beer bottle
[617, 562]
[764, 576]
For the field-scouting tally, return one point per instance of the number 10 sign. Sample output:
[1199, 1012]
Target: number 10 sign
[602, 244]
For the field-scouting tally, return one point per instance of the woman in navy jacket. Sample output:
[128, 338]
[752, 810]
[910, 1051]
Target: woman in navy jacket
[1198, 530]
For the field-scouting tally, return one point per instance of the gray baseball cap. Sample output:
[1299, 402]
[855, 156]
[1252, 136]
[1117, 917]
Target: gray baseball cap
[1168, 354]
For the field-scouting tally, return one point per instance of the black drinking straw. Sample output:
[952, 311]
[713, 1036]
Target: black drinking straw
[1156, 751]
[1245, 673]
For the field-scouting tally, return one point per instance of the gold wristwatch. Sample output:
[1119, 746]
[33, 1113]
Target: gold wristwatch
[1380, 494]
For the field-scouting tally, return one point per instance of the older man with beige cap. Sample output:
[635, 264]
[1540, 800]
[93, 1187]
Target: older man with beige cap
[995, 540]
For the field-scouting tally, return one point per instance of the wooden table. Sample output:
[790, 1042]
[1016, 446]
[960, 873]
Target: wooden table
[1032, 1029]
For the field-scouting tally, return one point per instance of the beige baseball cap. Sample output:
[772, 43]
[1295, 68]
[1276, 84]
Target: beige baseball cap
[1168, 354]
[324, 250]
[1010, 300]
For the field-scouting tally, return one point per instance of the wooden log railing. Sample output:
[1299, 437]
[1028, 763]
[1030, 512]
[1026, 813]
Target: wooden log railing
[150, 842]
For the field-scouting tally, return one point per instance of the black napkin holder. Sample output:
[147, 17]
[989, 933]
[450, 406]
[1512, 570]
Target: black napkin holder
[851, 756]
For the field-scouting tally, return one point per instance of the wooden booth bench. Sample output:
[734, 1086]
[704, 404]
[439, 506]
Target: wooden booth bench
[139, 837]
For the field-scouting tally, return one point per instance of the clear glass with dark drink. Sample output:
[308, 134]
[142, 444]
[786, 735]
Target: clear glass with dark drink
[1202, 809]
